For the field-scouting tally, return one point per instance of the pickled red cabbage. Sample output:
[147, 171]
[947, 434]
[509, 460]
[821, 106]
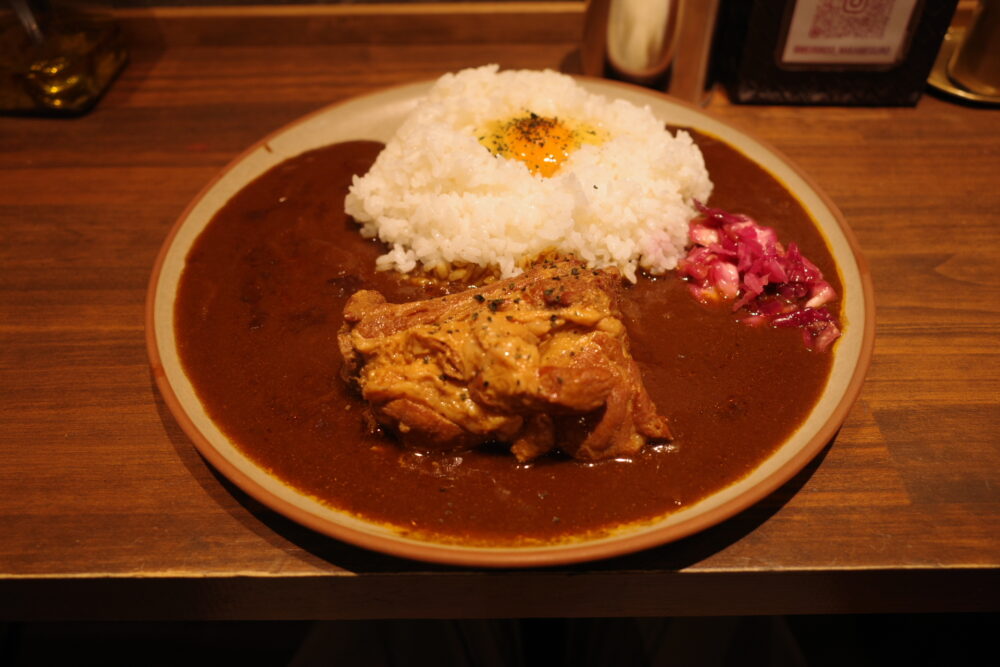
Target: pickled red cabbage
[734, 258]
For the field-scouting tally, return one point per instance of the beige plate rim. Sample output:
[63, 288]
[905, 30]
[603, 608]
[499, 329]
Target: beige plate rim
[374, 115]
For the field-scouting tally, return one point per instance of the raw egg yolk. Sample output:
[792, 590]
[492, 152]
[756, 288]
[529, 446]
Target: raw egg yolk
[541, 143]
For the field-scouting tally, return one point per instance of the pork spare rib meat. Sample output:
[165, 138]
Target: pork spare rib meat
[540, 361]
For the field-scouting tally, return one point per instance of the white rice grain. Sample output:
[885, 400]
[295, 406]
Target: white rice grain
[435, 194]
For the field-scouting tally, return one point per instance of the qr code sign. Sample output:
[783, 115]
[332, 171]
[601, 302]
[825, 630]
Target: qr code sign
[851, 18]
[854, 32]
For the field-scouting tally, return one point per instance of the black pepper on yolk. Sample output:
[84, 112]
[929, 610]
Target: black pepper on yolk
[541, 143]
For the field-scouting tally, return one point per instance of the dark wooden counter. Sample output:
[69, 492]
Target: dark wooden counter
[107, 510]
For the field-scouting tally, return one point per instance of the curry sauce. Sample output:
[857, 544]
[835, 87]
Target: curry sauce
[260, 304]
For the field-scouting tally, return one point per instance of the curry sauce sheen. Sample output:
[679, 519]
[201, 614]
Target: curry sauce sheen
[260, 304]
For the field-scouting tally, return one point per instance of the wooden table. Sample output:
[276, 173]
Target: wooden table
[107, 511]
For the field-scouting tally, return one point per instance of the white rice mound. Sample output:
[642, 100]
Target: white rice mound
[436, 195]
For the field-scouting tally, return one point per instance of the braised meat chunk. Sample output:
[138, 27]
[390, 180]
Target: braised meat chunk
[540, 361]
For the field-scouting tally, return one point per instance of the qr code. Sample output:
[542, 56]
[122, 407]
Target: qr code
[851, 18]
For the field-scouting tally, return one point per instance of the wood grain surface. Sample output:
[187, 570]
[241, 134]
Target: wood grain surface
[107, 510]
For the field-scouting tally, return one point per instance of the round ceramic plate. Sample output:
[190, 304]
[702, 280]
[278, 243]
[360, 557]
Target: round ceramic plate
[375, 117]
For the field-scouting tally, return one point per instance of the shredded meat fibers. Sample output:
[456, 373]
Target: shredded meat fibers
[540, 361]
